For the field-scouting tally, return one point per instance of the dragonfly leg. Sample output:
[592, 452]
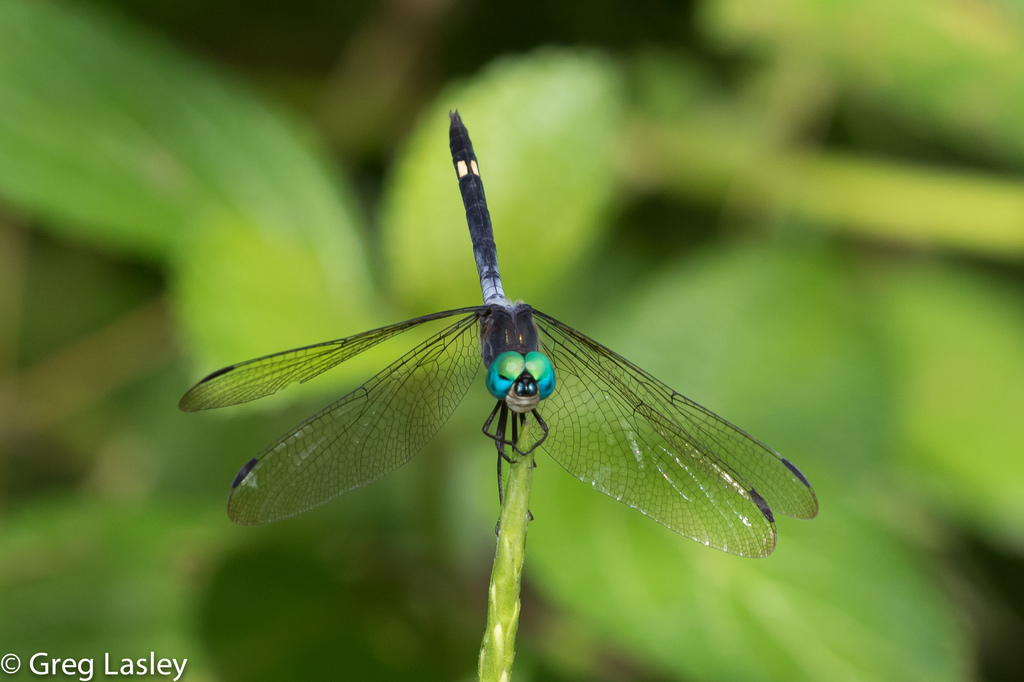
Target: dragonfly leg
[499, 435]
[499, 430]
[487, 424]
[501, 493]
[543, 426]
[499, 443]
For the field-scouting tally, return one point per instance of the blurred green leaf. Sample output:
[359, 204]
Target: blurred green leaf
[914, 204]
[81, 579]
[119, 140]
[244, 294]
[717, 153]
[544, 129]
[957, 67]
[283, 611]
[775, 340]
[747, 146]
[958, 344]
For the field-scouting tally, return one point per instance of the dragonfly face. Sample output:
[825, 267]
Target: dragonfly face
[522, 381]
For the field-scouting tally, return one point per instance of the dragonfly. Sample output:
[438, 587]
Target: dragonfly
[605, 420]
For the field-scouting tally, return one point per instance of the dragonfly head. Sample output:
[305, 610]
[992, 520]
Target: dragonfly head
[520, 380]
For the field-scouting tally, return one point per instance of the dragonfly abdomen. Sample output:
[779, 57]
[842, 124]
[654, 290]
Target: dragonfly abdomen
[471, 186]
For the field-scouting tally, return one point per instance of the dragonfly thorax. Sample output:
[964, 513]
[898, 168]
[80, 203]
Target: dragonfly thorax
[507, 328]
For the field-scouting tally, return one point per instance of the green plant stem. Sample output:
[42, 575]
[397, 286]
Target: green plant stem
[498, 649]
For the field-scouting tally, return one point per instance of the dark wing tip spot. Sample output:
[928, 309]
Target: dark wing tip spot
[796, 472]
[243, 472]
[213, 375]
[762, 505]
[188, 402]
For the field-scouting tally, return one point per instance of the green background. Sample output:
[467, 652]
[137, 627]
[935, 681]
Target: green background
[807, 215]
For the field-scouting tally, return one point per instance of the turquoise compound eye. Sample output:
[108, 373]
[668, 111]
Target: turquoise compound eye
[539, 367]
[505, 369]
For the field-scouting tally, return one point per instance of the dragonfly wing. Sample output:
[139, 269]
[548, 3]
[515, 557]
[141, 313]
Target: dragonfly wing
[264, 376]
[364, 435]
[627, 434]
[784, 486]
